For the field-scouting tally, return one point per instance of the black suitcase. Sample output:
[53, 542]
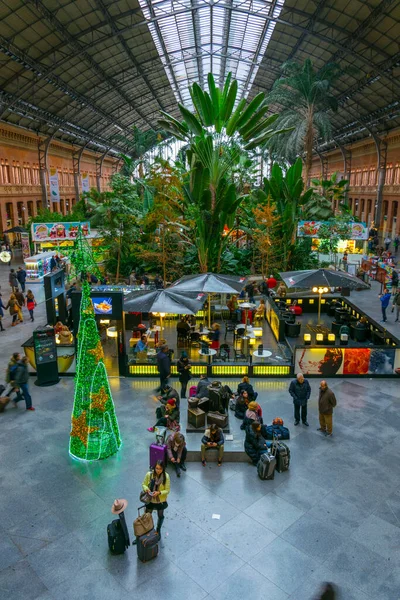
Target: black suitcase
[118, 536]
[204, 404]
[147, 545]
[266, 466]
[282, 457]
[215, 397]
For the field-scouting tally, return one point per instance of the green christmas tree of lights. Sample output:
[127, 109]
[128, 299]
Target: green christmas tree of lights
[94, 432]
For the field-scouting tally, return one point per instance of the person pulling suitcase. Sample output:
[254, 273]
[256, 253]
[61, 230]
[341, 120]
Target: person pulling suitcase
[156, 486]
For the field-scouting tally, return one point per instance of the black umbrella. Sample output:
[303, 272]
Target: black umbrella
[164, 301]
[322, 277]
[16, 229]
[210, 283]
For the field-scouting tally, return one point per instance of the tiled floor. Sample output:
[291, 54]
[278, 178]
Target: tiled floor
[334, 516]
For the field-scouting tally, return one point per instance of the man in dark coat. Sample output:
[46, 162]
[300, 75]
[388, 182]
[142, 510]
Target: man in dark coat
[300, 391]
[202, 387]
[21, 276]
[164, 366]
[326, 403]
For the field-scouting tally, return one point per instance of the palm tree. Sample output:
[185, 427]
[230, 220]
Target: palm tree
[304, 94]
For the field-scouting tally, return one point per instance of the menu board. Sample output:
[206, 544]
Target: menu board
[45, 346]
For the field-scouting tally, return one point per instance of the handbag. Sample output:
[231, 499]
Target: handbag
[145, 496]
[143, 524]
[161, 433]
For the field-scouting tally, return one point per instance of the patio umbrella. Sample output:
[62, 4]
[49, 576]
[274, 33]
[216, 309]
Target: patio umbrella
[210, 283]
[164, 302]
[16, 229]
[324, 277]
[321, 280]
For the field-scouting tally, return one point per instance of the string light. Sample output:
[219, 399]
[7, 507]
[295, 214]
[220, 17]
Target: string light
[95, 432]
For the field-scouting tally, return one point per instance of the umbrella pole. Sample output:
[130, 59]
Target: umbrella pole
[319, 308]
[209, 311]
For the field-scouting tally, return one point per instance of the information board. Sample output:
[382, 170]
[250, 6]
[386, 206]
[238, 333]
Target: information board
[44, 343]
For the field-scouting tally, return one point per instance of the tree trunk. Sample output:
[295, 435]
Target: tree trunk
[119, 254]
[308, 143]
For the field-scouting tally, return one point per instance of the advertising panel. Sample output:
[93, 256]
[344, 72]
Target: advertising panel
[347, 361]
[26, 250]
[54, 188]
[85, 182]
[44, 232]
[359, 231]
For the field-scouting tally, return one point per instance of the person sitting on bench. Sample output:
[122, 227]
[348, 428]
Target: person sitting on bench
[213, 438]
[253, 415]
[241, 405]
[167, 415]
[202, 387]
[246, 385]
[169, 393]
[177, 452]
[255, 444]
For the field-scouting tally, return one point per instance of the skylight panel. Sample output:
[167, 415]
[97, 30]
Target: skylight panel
[195, 37]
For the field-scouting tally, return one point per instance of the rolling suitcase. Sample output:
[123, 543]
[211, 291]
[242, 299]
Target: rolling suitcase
[282, 457]
[117, 534]
[147, 545]
[157, 453]
[266, 466]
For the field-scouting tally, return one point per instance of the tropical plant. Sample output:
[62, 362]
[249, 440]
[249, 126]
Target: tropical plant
[317, 208]
[329, 233]
[217, 137]
[334, 190]
[304, 93]
[286, 192]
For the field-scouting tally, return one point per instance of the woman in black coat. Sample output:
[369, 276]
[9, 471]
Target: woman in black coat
[241, 405]
[255, 444]
[183, 366]
[246, 386]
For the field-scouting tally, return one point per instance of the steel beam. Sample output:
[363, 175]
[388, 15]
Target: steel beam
[76, 167]
[99, 168]
[196, 34]
[80, 51]
[43, 151]
[320, 6]
[324, 164]
[128, 51]
[381, 156]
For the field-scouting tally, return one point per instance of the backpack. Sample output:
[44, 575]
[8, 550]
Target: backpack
[277, 421]
[270, 432]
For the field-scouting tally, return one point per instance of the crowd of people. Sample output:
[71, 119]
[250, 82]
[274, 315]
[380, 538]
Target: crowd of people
[17, 299]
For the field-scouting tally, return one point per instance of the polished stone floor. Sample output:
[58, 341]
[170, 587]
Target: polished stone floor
[335, 516]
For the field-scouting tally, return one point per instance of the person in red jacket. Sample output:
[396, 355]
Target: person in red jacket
[271, 282]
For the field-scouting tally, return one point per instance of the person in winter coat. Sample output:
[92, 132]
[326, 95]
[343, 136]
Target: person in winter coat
[158, 484]
[213, 438]
[30, 303]
[215, 335]
[13, 281]
[10, 375]
[202, 387]
[177, 452]
[254, 443]
[20, 298]
[21, 276]
[326, 404]
[242, 402]
[245, 385]
[396, 305]
[14, 308]
[168, 415]
[21, 381]
[385, 299]
[253, 414]
[395, 281]
[164, 366]
[169, 393]
[300, 391]
[183, 366]
[2, 309]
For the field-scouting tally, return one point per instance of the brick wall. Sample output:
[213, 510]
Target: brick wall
[364, 178]
[20, 187]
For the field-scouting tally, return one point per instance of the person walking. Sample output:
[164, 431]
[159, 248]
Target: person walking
[300, 391]
[21, 381]
[385, 299]
[183, 366]
[157, 484]
[2, 309]
[326, 404]
[13, 281]
[387, 242]
[21, 276]
[396, 243]
[10, 375]
[30, 303]
[212, 438]
[20, 298]
[164, 366]
[395, 281]
[396, 305]
[177, 452]
[14, 309]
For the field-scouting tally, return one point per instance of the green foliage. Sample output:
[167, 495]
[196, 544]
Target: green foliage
[79, 212]
[218, 141]
[305, 95]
